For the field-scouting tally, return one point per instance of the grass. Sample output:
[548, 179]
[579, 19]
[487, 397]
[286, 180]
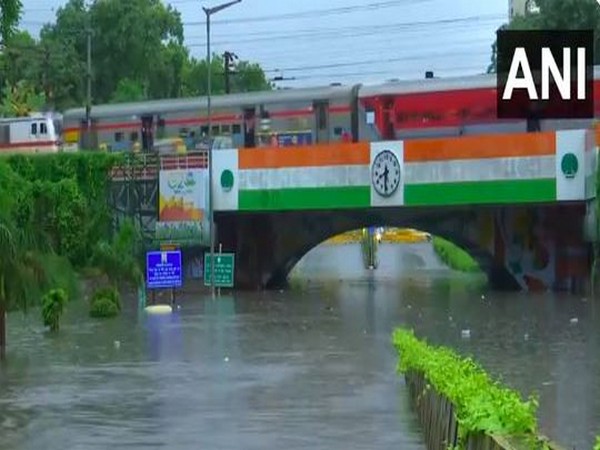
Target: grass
[454, 257]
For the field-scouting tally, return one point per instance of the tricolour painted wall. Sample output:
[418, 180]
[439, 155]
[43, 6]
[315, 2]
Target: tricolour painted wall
[488, 169]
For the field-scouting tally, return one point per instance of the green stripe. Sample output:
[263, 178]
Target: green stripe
[305, 198]
[499, 191]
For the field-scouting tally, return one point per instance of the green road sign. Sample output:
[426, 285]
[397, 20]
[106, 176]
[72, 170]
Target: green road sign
[225, 269]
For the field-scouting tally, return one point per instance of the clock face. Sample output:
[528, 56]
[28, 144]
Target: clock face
[385, 173]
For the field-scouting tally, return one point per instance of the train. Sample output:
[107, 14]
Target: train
[425, 108]
[36, 133]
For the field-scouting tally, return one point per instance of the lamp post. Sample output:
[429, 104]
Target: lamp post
[209, 12]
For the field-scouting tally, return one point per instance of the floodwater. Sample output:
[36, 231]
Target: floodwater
[309, 368]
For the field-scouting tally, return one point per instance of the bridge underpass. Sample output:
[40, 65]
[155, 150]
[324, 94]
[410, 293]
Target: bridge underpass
[527, 247]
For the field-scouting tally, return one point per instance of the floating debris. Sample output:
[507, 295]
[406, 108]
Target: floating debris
[574, 320]
[117, 344]
[466, 334]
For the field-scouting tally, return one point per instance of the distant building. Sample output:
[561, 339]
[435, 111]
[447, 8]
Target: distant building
[521, 7]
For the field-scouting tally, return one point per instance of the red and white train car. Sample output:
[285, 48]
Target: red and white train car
[37, 133]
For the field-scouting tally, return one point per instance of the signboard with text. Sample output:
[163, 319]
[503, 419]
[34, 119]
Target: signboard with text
[163, 269]
[224, 269]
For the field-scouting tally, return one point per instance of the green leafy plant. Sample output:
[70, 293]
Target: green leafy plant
[597, 445]
[481, 404]
[106, 302]
[454, 257]
[53, 304]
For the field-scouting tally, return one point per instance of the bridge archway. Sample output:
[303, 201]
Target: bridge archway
[269, 245]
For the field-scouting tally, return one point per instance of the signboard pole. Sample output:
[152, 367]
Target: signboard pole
[220, 253]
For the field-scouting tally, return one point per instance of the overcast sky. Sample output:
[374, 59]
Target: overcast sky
[349, 41]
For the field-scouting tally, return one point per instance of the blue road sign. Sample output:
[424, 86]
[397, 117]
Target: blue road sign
[163, 269]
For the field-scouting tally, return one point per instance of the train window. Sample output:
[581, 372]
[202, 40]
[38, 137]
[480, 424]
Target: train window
[215, 130]
[236, 129]
[118, 136]
[370, 117]
[183, 132]
[43, 128]
[34, 128]
[134, 136]
[225, 129]
[204, 130]
[5, 134]
[337, 131]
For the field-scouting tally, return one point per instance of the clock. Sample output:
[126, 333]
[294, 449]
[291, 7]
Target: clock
[385, 173]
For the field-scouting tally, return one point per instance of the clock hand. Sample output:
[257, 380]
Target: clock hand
[385, 177]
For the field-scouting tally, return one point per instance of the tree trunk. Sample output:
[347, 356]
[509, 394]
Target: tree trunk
[2, 333]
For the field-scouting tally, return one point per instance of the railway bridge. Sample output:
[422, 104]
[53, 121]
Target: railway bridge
[519, 203]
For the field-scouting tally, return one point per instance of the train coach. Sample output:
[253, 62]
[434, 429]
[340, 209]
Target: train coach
[37, 133]
[425, 108]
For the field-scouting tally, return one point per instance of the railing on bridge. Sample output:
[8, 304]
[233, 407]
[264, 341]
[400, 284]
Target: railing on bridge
[146, 166]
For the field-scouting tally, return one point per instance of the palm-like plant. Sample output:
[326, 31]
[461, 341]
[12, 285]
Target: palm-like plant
[118, 259]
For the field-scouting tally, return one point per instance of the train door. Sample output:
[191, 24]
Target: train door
[147, 133]
[249, 127]
[387, 105]
[34, 133]
[88, 139]
[321, 109]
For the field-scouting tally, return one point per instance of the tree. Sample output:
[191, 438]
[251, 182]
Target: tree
[10, 13]
[137, 54]
[558, 15]
[53, 305]
[20, 100]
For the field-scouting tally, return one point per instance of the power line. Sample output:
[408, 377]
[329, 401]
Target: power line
[354, 28]
[362, 30]
[367, 62]
[309, 13]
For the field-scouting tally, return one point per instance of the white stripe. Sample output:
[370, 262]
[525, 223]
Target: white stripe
[304, 177]
[524, 168]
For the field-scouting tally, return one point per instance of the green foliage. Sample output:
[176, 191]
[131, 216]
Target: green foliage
[106, 303]
[481, 404]
[597, 445]
[53, 304]
[20, 100]
[137, 53]
[60, 199]
[454, 257]
[119, 259]
[559, 15]
[10, 13]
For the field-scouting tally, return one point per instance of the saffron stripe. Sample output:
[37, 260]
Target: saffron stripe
[307, 156]
[305, 199]
[483, 146]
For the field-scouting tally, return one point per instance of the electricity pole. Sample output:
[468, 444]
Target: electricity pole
[46, 75]
[88, 104]
[228, 58]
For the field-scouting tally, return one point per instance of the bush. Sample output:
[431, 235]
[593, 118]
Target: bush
[106, 302]
[597, 446]
[481, 404]
[454, 257]
[52, 308]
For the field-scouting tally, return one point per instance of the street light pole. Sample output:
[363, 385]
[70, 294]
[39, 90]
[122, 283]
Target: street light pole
[209, 12]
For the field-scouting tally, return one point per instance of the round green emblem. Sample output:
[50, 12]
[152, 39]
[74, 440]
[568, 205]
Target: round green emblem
[227, 180]
[569, 165]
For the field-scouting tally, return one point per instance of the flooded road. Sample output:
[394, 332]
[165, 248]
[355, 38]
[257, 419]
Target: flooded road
[305, 368]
